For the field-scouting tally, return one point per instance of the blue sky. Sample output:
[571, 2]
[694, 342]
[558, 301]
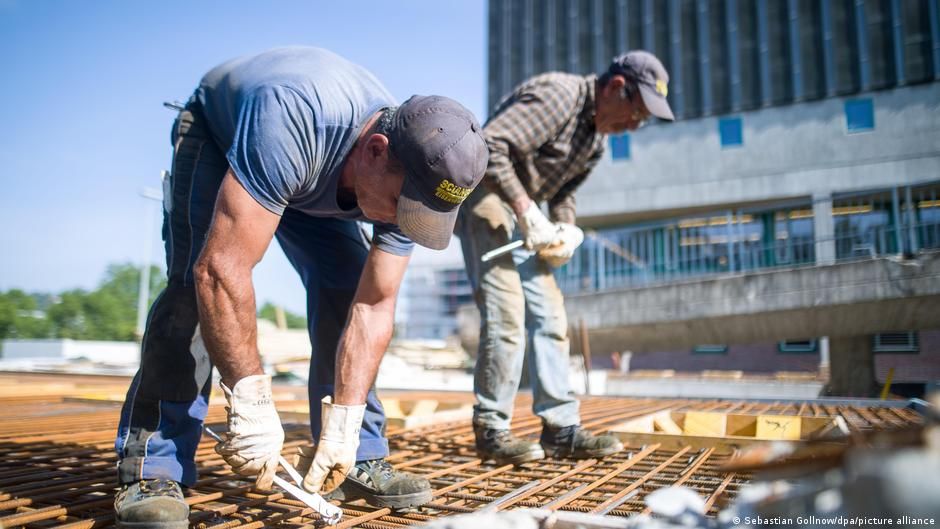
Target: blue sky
[83, 128]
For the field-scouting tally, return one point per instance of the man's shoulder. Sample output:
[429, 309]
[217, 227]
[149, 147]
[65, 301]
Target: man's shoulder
[557, 81]
[562, 90]
[285, 58]
[304, 68]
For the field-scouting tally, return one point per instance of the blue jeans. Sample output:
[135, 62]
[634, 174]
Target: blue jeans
[162, 417]
[519, 300]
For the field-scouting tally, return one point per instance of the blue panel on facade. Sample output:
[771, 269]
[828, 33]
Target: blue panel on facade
[710, 349]
[730, 130]
[859, 115]
[620, 147]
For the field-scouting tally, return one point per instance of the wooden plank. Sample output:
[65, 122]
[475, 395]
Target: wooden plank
[722, 445]
[742, 425]
[393, 409]
[782, 427]
[423, 407]
[664, 422]
[705, 423]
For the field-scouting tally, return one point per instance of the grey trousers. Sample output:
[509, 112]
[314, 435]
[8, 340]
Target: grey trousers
[519, 303]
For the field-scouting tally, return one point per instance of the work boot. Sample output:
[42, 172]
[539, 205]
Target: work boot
[577, 443]
[151, 504]
[504, 448]
[374, 481]
[382, 486]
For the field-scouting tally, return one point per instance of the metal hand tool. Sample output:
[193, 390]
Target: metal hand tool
[502, 250]
[331, 514]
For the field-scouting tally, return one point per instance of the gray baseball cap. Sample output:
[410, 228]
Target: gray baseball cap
[643, 68]
[442, 148]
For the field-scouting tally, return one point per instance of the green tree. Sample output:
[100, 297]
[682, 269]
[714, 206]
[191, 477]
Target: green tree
[21, 317]
[67, 316]
[107, 313]
[294, 321]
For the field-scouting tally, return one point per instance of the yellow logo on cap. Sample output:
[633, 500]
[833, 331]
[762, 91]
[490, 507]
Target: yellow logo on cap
[451, 192]
[661, 88]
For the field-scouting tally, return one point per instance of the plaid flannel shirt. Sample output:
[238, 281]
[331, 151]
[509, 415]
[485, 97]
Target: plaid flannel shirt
[543, 142]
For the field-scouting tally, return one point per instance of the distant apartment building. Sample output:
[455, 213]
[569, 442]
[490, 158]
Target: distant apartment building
[429, 300]
[807, 132]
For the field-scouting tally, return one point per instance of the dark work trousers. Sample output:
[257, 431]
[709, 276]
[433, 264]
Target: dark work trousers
[162, 416]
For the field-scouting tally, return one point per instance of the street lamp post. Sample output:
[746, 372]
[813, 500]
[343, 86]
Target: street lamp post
[143, 288]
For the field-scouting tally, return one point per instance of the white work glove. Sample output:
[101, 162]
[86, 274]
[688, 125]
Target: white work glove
[537, 231]
[255, 435]
[569, 238]
[336, 451]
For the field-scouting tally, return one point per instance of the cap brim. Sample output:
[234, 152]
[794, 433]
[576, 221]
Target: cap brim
[428, 227]
[655, 103]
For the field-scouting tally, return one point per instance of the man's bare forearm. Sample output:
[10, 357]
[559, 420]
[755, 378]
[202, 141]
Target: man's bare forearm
[519, 205]
[227, 322]
[361, 348]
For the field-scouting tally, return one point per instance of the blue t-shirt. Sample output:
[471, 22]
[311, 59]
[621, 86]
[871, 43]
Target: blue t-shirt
[286, 119]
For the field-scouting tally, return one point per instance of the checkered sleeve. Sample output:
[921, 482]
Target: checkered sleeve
[561, 207]
[522, 125]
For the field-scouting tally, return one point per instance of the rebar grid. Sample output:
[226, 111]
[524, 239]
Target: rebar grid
[57, 466]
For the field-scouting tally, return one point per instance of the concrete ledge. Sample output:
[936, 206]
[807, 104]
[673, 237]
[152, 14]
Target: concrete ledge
[843, 299]
[684, 387]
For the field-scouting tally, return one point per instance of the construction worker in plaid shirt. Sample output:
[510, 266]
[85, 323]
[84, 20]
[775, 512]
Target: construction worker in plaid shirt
[544, 139]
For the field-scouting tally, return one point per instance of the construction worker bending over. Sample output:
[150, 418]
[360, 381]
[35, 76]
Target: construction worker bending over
[296, 144]
[544, 139]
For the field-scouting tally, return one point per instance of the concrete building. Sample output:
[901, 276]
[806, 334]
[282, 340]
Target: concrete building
[428, 301]
[807, 140]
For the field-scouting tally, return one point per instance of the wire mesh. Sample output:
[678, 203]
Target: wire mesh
[57, 466]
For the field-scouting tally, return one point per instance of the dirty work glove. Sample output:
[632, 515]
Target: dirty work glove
[569, 238]
[255, 436]
[537, 231]
[336, 451]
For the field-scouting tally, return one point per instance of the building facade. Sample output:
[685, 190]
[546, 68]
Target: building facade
[429, 299]
[807, 132]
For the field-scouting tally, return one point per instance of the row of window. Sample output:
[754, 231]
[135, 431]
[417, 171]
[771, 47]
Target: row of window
[866, 224]
[722, 55]
[887, 342]
[859, 117]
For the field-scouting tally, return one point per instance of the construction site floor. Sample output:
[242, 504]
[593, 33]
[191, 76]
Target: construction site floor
[57, 461]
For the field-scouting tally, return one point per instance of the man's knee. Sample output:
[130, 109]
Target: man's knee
[174, 364]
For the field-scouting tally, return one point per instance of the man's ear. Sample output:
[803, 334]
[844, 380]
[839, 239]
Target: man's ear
[377, 146]
[614, 85]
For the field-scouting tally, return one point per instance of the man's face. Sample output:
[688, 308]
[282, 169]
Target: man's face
[378, 193]
[378, 178]
[617, 113]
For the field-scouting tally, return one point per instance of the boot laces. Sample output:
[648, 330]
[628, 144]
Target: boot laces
[500, 437]
[568, 435]
[156, 486]
[383, 467]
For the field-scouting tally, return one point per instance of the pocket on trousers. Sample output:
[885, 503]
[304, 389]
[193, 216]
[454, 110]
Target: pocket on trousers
[494, 214]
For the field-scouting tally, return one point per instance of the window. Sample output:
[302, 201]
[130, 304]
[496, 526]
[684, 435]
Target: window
[718, 48]
[710, 349]
[859, 115]
[689, 59]
[880, 43]
[896, 342]
[811, 52]
[750, 58]
[844, 46]
[916, 26]
[778, 53]
[863, 225]
[730, 131]
[620, 147]
[797, 346]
